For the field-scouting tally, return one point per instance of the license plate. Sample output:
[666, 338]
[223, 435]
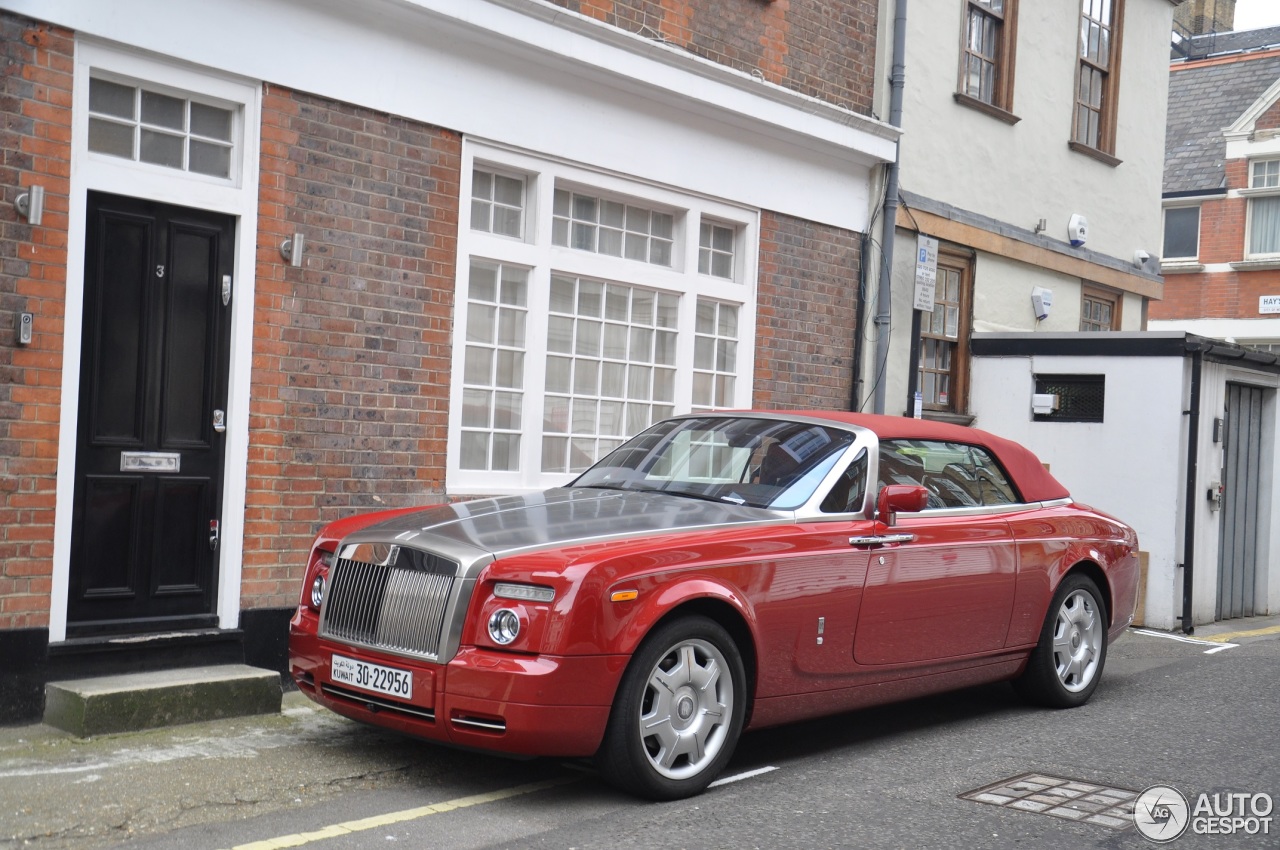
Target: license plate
[372, 677]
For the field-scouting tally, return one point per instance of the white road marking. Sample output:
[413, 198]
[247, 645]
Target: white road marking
[741, 776]
[1214, 646]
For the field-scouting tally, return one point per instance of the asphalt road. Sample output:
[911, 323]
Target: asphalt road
[1167, 712]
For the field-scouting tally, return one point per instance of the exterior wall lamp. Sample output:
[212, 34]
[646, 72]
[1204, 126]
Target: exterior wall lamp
[30, 204]
[291, 249]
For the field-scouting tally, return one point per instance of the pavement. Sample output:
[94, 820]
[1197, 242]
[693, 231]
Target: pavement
[146, 788]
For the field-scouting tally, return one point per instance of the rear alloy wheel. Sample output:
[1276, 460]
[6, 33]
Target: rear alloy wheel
[1067, 663]
[678, 712]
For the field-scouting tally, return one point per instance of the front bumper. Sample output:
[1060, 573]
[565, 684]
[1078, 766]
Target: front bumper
[528, 705]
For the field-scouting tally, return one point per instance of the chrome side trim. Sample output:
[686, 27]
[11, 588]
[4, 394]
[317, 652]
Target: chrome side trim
[486, 725]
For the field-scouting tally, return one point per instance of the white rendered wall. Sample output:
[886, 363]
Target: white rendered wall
[1130, 465]
[1021, 173]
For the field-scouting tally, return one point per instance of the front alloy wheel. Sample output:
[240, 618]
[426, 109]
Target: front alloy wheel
[678, 712]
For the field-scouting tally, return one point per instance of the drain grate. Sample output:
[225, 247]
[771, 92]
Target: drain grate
[1069, 799]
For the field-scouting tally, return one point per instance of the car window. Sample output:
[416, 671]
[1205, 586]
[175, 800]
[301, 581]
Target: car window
[753, 461]
[849, 490]
[955, 474]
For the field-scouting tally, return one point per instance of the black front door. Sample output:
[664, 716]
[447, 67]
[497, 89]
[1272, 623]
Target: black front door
[149, 445]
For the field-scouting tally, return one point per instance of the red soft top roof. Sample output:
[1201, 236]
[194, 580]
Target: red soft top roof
[1029, 475]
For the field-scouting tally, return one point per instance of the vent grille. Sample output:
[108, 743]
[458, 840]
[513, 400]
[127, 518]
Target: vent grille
[1081, 398]
[398, 607]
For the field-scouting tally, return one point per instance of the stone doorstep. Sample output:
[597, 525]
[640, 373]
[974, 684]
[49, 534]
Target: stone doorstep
[135, 701]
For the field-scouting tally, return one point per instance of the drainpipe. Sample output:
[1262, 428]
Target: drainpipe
[884, 295]
[859, 328]
[1189, 520]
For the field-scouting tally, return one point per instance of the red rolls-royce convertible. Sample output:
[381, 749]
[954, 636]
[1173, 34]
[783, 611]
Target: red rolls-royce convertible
[718, 572]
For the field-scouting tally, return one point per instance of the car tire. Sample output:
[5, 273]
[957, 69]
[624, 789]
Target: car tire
[678, 712]
[1064, 669]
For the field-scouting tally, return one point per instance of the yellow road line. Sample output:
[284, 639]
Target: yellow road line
[1230, 636]
[377, 821]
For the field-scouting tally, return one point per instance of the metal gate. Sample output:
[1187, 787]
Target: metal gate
[1238, 541]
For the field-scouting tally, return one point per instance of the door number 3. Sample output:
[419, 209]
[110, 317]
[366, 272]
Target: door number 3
[159, 271]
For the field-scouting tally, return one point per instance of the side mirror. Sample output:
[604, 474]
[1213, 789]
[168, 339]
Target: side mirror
[900, 498]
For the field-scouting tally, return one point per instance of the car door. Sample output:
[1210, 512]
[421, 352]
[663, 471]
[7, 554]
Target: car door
[941, 582]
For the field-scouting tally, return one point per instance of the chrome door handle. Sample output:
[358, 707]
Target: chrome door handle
[881, 539]
[214, 535]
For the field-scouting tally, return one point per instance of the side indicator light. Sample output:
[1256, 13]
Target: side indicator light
[623, 595]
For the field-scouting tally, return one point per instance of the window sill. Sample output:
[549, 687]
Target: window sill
[1258, 265]
[1101, 156]
[947, 416]
[986, 108]
[1181, 267]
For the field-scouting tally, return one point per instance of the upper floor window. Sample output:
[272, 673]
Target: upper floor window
[715, 250]
[618, 229]
[1097, 75]
[166, 129]
[1264, 207]
[497, 203]
[1099, 310]
[987, 52]
[1181, 233]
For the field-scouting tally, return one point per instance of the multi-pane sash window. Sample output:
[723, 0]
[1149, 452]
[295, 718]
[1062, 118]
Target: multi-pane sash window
[715, 250]
[497, 203]
[139, 124]
[939, 336]
[986, 64]
[715, 355]
[589, 307]
[493, 366]
[614, 228]
[1099, 310]
[1094, 123]
[1264, 210]
[611, 368]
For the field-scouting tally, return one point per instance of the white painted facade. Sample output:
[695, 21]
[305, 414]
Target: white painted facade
[1134, 464]
[1022, 173]
[1008, 177]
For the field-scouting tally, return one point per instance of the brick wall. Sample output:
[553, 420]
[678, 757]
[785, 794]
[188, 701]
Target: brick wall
[351, 351]
[1223, 294]
[1269, 120]
[805, 314]
[822, 48]
[35, 137]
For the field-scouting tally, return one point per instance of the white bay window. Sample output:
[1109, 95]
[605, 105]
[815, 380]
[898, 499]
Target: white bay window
[588, 307]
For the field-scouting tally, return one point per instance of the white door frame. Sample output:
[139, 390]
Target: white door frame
[237, 197]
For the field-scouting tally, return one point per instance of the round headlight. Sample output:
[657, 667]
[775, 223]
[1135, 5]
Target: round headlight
[504, 626]
[317, 592]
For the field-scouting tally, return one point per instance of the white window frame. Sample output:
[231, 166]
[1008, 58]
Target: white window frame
[537, 253]
[1251, 193]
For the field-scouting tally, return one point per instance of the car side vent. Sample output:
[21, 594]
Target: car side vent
[1081, 398]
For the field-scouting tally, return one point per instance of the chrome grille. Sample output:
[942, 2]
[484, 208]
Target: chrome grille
[398, 607]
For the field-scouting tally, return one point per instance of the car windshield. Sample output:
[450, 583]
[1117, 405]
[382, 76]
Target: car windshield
[762, 463]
